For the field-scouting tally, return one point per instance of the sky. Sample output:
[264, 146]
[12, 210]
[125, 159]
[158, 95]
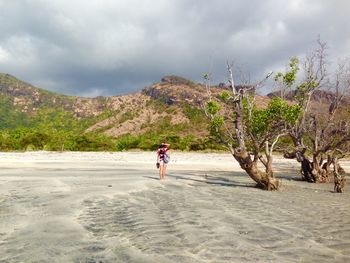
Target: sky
[114, 47]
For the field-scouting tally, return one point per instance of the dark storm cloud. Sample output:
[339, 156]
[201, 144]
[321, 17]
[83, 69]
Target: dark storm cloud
[106, 47]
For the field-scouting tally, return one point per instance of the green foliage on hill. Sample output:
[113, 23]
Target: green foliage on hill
[55, 129]
[151, 141]
[49, 129]
[8, 80]
[44, 120]
[9, 118]
[181, 136]
[22, 139]
[195, 115]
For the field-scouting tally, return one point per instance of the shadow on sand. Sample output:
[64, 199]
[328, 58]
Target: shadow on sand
[220, 179]
[224, 178]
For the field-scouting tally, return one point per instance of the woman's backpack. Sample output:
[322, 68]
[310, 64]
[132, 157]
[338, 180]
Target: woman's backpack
[164, 155]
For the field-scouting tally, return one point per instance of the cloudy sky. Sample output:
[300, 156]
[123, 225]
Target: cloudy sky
[112, 47]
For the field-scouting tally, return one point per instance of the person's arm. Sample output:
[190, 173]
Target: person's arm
[167, 145]
[157, 156]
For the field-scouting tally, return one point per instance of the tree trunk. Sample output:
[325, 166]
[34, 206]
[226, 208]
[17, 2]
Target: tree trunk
[306, 170]
[265, 180]
[319, 174]
[339, 179]
[312, 172]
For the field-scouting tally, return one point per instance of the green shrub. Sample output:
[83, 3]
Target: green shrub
[195, 115]
[127, 142]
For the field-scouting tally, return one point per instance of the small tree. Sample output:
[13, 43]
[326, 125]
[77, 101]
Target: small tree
[250, 133]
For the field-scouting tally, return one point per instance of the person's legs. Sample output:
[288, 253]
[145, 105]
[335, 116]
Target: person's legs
[163, 171]
[160, 171]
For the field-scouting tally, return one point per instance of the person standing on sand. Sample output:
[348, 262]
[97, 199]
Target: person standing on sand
[162, 159]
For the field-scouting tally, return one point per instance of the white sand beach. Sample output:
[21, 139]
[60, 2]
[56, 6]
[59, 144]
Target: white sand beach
[111, 207]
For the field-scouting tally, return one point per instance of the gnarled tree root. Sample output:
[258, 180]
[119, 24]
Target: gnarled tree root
[339, 183]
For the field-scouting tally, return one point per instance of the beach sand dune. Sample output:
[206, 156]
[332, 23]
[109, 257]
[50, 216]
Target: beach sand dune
[111, 207]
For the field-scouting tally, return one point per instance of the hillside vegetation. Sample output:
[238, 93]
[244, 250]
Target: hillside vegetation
[35, 119]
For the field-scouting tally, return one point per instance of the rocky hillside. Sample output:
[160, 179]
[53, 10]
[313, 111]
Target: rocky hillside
[28, 99]
[174, 101]
[170, 101]
[33, 118]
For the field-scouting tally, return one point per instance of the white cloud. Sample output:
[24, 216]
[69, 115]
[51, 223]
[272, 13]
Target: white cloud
[4, 55]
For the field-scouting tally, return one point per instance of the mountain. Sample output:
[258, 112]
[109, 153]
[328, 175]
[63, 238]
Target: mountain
[29, 99]
[172, 99]
[167, 110]
[170, 110]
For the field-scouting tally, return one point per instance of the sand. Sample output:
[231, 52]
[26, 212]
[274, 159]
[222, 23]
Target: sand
[111, 207]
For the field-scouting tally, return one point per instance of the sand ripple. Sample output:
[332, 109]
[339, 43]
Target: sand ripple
[211, 221]
[102, 207]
